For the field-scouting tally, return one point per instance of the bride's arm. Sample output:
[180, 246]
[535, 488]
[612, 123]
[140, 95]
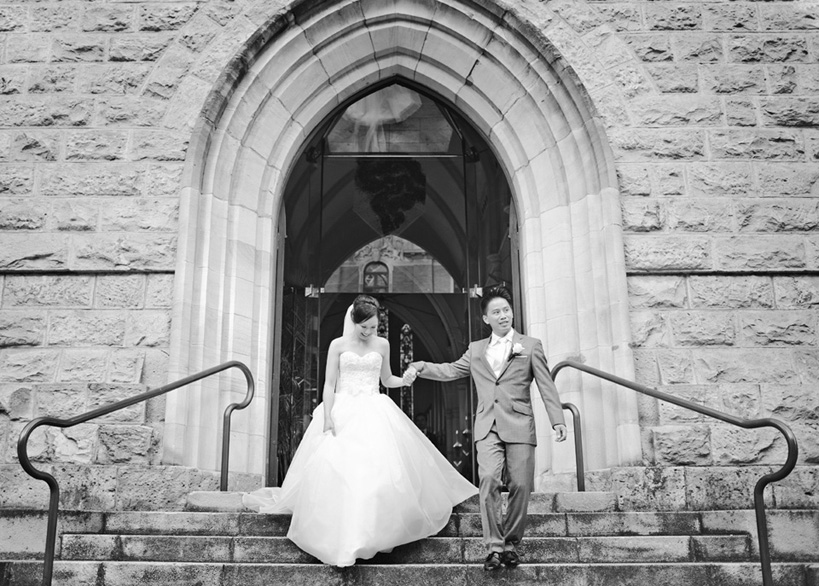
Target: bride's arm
[388, 379]
[329, 394]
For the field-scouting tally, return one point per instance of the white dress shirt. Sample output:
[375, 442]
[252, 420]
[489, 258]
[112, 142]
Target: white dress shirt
[497, 351]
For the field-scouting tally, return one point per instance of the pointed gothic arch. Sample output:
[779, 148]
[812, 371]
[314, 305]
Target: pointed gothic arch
[514, 86]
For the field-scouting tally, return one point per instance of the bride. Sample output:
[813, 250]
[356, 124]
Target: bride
[364, 478]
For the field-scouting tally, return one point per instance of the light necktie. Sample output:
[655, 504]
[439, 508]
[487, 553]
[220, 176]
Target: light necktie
[499, 355]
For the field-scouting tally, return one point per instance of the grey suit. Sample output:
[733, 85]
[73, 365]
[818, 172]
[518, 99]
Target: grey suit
[504, 430]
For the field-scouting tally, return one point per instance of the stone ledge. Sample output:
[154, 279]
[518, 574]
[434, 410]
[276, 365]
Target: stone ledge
[680, 488]
[222, 502]
[585, 502]
[813, 575]
[114, 487]
[638, 488]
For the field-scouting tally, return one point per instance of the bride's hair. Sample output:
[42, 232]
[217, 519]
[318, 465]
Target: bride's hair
[364, 307]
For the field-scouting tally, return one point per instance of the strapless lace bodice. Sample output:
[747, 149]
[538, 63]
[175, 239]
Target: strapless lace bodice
[358, 375]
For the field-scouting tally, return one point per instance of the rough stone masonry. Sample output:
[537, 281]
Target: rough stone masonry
[712, 120]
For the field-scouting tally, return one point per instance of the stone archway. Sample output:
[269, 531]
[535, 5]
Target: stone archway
[513, 86]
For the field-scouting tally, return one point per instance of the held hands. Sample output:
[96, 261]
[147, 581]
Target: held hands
[560, 432]
[412, 372]
[410, 375]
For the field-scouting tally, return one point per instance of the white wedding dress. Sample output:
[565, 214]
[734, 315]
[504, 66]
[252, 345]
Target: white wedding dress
[378, 483]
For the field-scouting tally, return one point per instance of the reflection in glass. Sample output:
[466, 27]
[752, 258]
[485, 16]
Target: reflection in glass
[394, 119]
[390, 265]
[390, 193]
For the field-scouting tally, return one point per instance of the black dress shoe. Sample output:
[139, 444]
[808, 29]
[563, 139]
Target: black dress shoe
[493, 561]
[510, 559]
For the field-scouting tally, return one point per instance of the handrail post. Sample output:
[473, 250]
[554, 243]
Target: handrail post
[762, 536]
[51, 532]
[53, 499]
[759, 499]
[578, 446]
[223, 475]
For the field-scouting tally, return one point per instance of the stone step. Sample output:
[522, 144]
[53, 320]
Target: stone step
[27, 573]
[793, 534]
[547, 524]
[540, 502]
[460, 524]
[780, 523]
[445, 550]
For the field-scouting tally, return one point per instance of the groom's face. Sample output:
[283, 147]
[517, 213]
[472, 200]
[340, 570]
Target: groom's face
[499, 316]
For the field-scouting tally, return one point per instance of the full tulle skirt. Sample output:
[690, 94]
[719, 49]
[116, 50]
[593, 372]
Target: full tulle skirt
[375, 484]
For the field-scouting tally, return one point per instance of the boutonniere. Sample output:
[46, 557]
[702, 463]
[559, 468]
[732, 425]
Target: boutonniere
[517, 350]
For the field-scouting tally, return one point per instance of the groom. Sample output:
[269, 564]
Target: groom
[503, 367]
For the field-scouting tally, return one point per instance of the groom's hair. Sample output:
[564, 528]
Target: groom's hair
[494, 292]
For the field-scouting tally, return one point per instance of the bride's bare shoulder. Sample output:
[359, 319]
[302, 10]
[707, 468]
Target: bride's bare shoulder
[337, 345]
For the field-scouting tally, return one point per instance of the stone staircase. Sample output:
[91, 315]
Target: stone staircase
[573, 539]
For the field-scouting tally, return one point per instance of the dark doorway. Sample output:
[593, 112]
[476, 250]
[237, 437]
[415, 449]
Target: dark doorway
[398, 196]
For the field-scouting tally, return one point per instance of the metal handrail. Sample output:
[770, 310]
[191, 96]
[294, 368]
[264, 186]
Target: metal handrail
[759, 500]
[54, 501]
[578, 442]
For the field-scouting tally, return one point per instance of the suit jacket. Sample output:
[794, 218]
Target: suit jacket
[506, 399]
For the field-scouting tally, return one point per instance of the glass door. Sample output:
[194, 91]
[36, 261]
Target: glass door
[397, 197]
[295, 382]
[297, 374]
[395, 228]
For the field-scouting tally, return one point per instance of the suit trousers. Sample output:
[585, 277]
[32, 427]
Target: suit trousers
[504, 532]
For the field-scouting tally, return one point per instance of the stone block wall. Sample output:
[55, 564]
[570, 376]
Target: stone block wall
[89, 183]
[719, 175]
[711, 112]
[71, 343]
